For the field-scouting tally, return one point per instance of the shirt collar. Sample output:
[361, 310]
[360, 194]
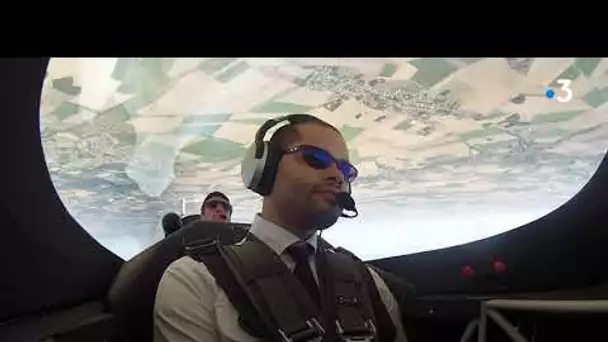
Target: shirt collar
[275, 237]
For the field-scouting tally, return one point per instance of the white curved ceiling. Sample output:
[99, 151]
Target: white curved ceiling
[449, 150]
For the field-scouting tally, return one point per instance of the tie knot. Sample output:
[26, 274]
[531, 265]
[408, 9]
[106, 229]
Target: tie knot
[300, 251]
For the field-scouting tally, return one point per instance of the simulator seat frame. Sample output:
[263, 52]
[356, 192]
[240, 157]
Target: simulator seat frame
[490, 309]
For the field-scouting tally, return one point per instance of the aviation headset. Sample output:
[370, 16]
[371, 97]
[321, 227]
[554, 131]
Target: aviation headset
[259, 167]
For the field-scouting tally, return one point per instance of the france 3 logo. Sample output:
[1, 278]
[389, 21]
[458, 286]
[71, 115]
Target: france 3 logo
[565, 91]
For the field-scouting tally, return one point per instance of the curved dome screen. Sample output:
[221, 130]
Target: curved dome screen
[450, 150]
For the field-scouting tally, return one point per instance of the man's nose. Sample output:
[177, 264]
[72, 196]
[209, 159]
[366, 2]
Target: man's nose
[335, 169]
[335, 175]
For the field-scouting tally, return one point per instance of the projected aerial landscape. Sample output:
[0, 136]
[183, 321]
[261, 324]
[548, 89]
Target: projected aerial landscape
[449, 150]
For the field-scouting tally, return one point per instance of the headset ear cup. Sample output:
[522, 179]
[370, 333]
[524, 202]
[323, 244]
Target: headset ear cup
[258, 174]
[269, 173]
[252, 168]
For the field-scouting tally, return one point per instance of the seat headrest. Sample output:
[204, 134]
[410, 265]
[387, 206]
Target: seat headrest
[131, 297]
[171, 223]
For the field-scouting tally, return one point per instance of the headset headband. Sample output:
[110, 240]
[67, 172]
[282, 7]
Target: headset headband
[259, 166]
[266, 126]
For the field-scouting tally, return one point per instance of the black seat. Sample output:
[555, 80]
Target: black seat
[190, 218]
[87, 321]
[131, 297]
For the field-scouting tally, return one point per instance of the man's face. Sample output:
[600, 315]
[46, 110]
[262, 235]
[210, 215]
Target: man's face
[303, 187]
[217, 209]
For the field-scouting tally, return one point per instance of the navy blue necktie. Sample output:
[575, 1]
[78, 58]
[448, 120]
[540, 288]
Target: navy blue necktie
[301, 252]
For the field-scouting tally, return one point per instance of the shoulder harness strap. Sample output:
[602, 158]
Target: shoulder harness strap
[273, 304]
[354, 313]
[207, 252]
[288, 312]
[385, 326]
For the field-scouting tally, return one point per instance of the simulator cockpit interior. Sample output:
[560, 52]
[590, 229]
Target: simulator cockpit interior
[480, 189]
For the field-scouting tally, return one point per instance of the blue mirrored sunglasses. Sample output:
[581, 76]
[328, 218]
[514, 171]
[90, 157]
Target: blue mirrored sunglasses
[318, 158]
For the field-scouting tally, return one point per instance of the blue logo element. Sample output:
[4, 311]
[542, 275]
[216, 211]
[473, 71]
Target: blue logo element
[550, 93]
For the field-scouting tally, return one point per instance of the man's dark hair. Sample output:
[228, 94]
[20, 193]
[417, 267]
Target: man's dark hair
[286, 135]
[216, 194]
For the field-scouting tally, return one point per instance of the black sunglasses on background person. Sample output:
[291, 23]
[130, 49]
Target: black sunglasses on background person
[215, 203]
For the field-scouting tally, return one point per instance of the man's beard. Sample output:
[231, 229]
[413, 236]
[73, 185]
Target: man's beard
[312, 218]
[324, 219]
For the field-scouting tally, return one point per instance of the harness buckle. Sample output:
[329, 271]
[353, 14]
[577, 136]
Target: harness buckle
[368, 333]
[313, 332]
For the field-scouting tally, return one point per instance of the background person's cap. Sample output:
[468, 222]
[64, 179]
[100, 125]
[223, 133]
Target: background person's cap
[216, 194]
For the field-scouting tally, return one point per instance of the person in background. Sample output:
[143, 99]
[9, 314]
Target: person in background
[216, 207]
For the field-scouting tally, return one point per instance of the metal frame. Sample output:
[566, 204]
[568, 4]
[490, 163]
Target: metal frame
[490, 309]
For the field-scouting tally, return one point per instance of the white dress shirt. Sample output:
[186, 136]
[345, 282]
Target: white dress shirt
[191, 307]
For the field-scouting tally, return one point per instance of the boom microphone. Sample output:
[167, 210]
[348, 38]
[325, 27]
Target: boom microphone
[346, 202]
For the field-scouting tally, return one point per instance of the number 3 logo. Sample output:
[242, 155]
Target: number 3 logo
[565, 88]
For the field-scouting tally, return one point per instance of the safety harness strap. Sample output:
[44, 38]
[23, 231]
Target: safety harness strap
[273, 304]
[284, 305]
[355, 317]
[207, 252]
[386, 330]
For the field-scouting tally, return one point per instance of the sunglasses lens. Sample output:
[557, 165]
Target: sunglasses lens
[320, 159]
[317, 159]
[349, 171]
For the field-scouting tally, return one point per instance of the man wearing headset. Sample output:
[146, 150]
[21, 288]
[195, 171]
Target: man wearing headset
[300, 173]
